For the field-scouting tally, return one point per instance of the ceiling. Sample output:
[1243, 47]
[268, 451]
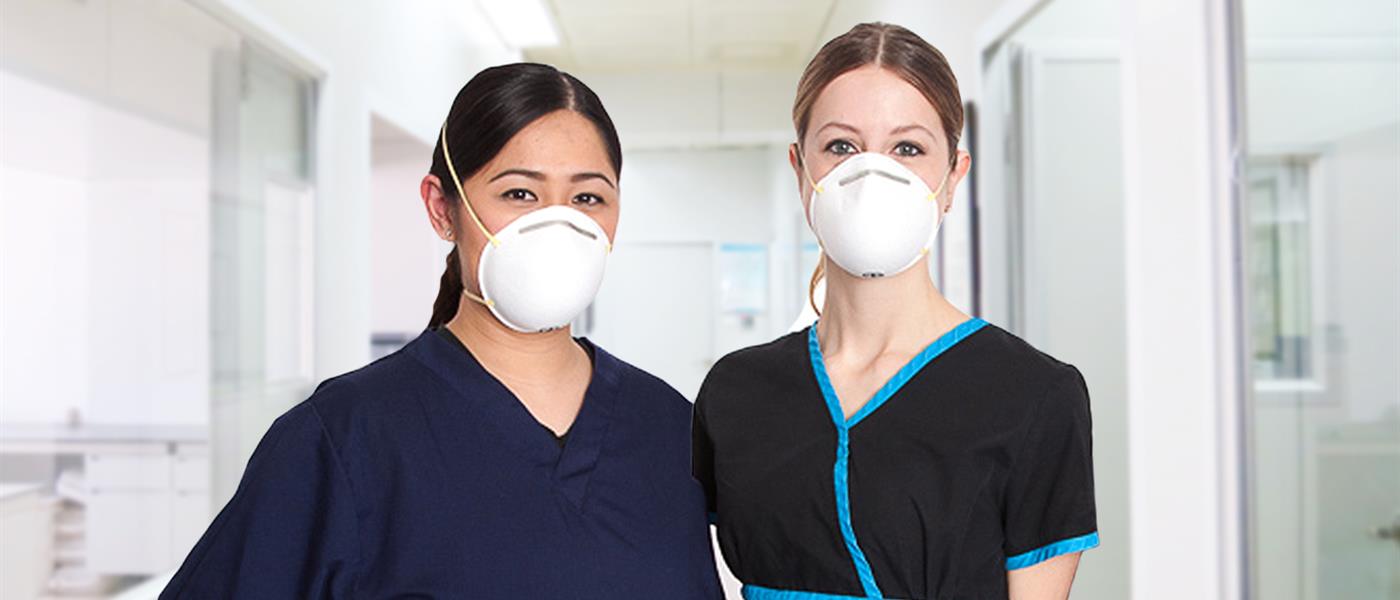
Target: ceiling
[632, 35]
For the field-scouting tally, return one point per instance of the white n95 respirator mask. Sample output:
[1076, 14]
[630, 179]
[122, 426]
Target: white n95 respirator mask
[873, 216]
[542, 269]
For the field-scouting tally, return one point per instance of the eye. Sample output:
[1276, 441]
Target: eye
[519, 195]
[841, 147]
[908, 149]
[589, 199]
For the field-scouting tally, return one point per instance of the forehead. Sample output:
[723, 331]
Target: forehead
[562, 141]
[873, 100]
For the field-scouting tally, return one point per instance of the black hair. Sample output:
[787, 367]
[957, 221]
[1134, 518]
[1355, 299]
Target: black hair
[488, 111]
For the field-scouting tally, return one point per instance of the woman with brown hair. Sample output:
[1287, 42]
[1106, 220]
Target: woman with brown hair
[898, 447]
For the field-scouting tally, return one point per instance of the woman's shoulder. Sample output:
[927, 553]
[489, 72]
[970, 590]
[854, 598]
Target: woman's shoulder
[1009, 353]
[639, 384]
[761, 371]
[386, 394]
[1012, 369]
[776, 356]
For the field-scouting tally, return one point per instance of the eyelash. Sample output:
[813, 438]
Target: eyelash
[589, 199]
[905, 149]
[524, 195]
[519, 195]
[831, 147]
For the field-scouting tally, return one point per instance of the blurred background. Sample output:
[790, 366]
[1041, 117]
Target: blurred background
[207, 206]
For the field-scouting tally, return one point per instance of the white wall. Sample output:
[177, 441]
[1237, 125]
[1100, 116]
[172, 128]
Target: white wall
[685, 204]
[405, 252]
[697, 108]
[105, 285]
[698, 195]
[1184, 401]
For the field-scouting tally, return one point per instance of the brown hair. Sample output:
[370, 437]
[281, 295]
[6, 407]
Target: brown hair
[890, 47]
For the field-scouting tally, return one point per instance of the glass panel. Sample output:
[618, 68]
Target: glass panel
[262, 277]
[1280, 267]
[1323, 286]
[105, 228]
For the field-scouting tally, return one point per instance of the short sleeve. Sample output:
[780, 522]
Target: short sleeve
[702, 457]
[290, 530]
[1049, 501]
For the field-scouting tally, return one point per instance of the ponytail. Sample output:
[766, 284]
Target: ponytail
[449, 292]
[817, 275]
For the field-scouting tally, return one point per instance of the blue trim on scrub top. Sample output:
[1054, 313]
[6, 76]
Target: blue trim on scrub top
[1047, 552]
[755, 592]
[841, 471]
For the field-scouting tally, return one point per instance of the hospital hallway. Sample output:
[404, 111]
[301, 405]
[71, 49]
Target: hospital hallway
[208, 207]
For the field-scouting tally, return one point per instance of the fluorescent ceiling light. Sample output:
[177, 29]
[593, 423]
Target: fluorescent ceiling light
[521, 23]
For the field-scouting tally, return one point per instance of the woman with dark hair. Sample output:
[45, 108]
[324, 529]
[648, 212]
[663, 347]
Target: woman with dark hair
[494, 456]
[898, 447]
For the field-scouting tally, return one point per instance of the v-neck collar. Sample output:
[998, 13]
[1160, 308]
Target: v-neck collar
[573, 463]
[451, 338]
[888, 390]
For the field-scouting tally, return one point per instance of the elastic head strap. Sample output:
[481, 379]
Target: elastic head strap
[478, 299]
[447, 156]
[936, 192]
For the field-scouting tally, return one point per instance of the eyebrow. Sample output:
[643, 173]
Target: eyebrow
[895, 131]
[839, 125]
[911, 127]
[585, 176]
[538, 176]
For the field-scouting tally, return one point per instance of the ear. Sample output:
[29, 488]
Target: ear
[439, 207]
[961, 165]
[795, 159]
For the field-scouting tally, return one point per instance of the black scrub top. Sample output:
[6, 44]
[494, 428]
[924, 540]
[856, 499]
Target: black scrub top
[974, 459]
[422, 476]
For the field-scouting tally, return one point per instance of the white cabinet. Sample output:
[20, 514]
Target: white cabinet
[27, 522]
[125, 472]
[145, 511]
[189, 503]
[142, 491]
[189, 519]
[120, 530]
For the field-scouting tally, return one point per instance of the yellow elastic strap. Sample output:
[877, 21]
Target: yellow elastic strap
[488, 303]
[805, 173]
[934, 195]
[447, 156]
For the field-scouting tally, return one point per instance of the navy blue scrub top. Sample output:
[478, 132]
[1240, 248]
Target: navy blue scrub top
[974, 459]
[422, 476]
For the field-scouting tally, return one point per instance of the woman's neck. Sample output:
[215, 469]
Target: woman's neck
[532, 359]
[874, 316]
